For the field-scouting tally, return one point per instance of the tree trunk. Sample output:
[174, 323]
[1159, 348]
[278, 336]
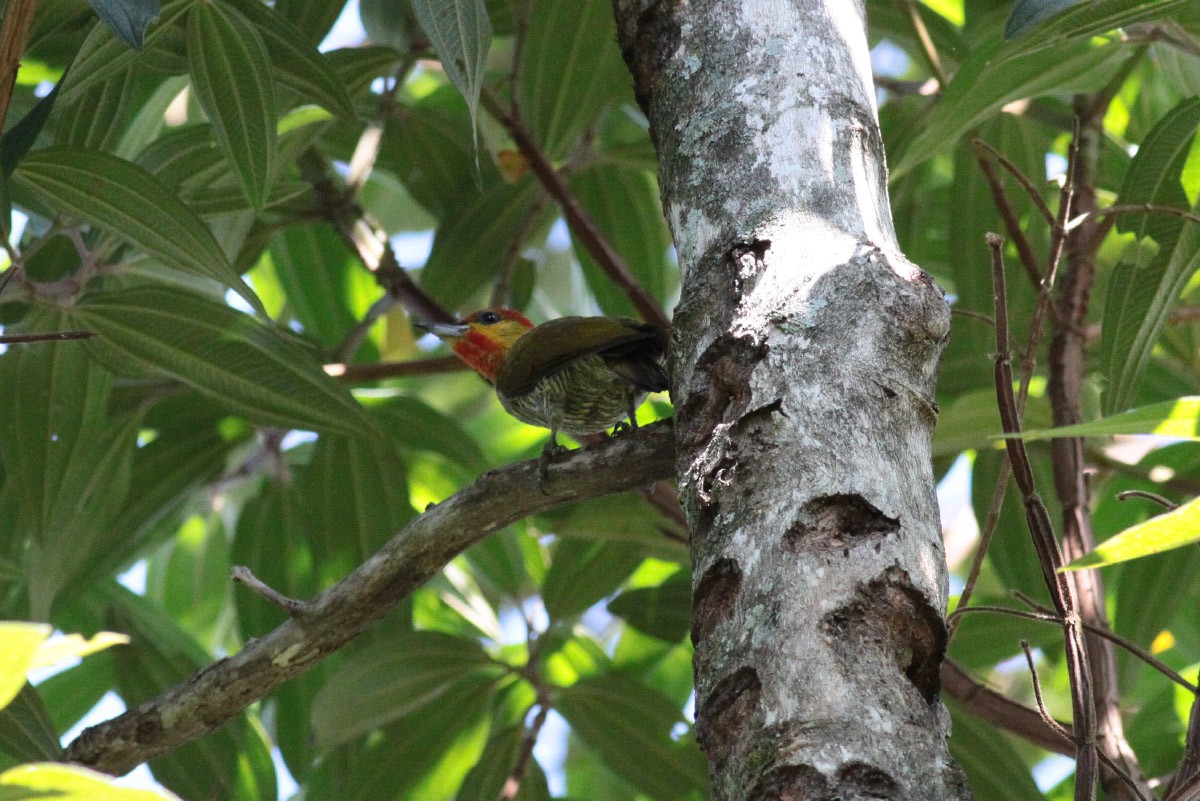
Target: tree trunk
[805, 357]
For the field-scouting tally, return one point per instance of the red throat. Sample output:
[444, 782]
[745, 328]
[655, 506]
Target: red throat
[481, 352]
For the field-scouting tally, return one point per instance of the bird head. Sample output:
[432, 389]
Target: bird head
[484, 338]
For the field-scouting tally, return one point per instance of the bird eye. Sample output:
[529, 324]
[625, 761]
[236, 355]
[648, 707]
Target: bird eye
[488, 317]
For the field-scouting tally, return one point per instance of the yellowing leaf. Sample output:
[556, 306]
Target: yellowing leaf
[1174, 529]
[21, 643]
[68, 646]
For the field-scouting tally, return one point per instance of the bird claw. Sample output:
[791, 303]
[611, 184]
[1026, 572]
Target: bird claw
[625, 427]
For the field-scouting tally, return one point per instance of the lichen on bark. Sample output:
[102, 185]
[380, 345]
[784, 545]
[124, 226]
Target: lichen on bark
[805, 356]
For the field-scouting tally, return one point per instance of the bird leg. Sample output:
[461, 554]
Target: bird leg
[551, 450]
[631, 425]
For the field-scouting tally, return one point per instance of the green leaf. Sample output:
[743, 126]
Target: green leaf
[166, 472]
[584, 572]
[572, 70]
[129, 202]
[189, 578]
[1174, 529]
[232, 762]
[461, 33]
[26, 732]
[1085, 19]
[72, 693]
[1027, 13]
[355, 500]
[1141, 292]
[322, 279]
[127, 19]
[412, 424]
[312, 19]
[298, 63]
[1177, 418]
[68, 461]
[624, 205]
[432, 765]
[375, 687]
[972, 422]
[103, 54]
[629, 725]
[54, 415]
[988, 80]
[387, 24]
[97, 120]
[470, 244]
[486, 780]
[18, 139]
[70, 783]
[1148, 600]
[21, 643]
[227, 355]
[270, 540]
[664, 611]
[995, 769]
[231, 74]
[215, 201]
[427, 145]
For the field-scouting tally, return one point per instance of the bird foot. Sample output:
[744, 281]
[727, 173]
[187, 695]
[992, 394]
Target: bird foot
[624, 427]
[549, 453]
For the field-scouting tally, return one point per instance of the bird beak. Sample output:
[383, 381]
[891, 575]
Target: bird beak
[445, 330]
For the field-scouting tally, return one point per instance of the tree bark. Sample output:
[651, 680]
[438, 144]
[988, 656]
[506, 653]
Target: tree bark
[805, 358]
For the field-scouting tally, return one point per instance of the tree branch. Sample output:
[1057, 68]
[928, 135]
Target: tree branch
[366, 240]
[14, 28]
[1003, 713]
[578, 220]
[497, 498]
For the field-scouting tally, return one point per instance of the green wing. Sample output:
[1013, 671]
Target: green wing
[632, 349]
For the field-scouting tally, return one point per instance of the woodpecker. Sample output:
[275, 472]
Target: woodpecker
[578, 375]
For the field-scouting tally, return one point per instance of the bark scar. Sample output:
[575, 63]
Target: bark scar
[726, 714]
[714, 597]
[838, 521]
[890, 610]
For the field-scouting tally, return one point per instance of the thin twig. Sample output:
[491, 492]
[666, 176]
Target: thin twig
[1044, 542]
[512, 255]
[1181, 316]
[1043, 615]
[1150, 496]
[1047, 718]
[353, 338]
[1004, 713]
[380, 370]
[512, 785]
[1184, 485]
[927, 49]
[581, 224]
[1133, 208]
[54, 336]
[1012, 224]
[243, 575]
[1026, 184]
[368, 240]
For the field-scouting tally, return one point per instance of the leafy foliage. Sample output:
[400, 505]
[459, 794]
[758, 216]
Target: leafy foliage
[249, 221]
